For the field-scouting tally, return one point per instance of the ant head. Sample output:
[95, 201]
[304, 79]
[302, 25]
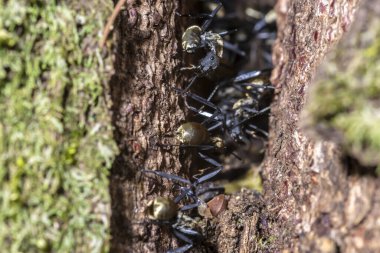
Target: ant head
[191, 39]
[210, 62]
[161, 208]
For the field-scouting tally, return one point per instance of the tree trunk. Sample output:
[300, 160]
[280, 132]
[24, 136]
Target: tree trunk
[312, 200]
[320, 203]
[145, 109]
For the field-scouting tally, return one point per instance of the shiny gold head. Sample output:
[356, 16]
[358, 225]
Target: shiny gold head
[161, 208]
[191, 39]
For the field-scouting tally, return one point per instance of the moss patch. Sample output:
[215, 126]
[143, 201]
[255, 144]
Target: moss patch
[251, 181]
[56, 143]
[347, 102]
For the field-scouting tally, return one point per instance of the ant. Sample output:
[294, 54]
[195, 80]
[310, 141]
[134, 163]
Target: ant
[187, 229]
[196, 135]
[194, 190]
[234, 116]
[196, 37]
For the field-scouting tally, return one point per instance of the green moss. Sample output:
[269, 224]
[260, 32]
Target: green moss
[347, 102]
[251, 180]
[56, 143]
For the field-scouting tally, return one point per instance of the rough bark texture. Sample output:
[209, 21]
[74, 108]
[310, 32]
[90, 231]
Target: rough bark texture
[145, 110]
[320, 205]
[311, 202]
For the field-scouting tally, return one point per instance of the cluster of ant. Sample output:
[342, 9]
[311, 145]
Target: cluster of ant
[227, 113]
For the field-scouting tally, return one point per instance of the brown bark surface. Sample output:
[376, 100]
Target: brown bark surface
[320, 203]
[145, 110]
[312, 201]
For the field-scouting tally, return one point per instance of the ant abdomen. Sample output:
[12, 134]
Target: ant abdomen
[162, 209]
[192, 133]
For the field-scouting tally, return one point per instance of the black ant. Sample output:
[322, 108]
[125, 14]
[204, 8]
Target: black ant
[192, 190]
[166, 210]
[196, 37]
[196, 135]
[187, 229]
[233, 115]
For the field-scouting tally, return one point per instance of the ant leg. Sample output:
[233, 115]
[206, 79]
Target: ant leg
[205, 114]
[266, 35]
[209, 160]
[206, 102]
[219, 189]
[179, 234]
[236, 156]
[207, 23]
[200, 100]
[182, 234]
[258, 86]
[186, 231]
[191, 206]
[249, 108]
[213, 117]
[184, 192]
[239, 88]
[262, 111]
[187, 192]
[213, 92]
[198, 111]
[182, 249]
[168, 176]
[249, 75]
[215, 126]
[253, 90]
[192, 67]
[225, 33]
[265, 133]
[192, 16]
[268, 57]
[190, 84]
[266, 109]
[209, 116]
[208, 176]
[233, 48]
[259, 26]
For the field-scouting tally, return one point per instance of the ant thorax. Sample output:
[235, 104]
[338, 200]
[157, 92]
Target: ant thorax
[214, 42]
[208, 63]
[187, 223]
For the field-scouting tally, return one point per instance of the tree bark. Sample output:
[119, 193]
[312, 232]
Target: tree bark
[145, 109]
[311, 201]
[319, 203]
